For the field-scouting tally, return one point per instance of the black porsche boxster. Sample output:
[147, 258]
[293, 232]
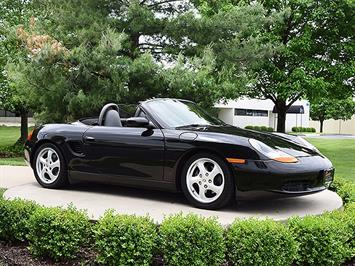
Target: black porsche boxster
[172, 144]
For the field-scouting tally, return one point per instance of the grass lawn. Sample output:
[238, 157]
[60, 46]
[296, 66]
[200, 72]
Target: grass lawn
[18, 161]
[8, 137]
[342, 154]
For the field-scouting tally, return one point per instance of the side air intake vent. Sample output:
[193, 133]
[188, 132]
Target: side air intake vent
[260, 164]
[76, 147]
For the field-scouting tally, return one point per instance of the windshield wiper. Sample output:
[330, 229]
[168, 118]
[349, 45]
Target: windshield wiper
[193, 125]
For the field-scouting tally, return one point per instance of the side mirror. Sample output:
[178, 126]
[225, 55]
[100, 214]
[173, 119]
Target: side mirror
[139, 122]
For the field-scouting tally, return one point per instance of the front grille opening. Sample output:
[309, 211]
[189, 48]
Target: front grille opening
[296, 186]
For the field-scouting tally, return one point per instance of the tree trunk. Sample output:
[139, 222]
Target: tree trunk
[24, 126]
[321, 121]
[281, 108]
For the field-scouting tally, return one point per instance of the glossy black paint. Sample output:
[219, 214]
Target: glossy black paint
[153, 156]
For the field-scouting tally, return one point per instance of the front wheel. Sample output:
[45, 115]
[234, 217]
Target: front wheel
[49, 167]
[207, 182]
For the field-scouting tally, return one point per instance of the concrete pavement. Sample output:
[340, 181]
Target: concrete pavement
[96, 199]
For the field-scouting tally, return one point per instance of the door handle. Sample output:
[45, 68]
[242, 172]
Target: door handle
[88, 138]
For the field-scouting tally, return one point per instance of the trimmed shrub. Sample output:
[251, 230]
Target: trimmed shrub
[322, 240]
[255, 242]
[344, 188]
[192, 240]
[347, 218]
[260, 128]
[303, 129]
[125, 240]
[58, 233]
[14, 216]
[2, 191]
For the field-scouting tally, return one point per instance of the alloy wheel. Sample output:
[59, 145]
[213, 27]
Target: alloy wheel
[48, 165]
[205, 180]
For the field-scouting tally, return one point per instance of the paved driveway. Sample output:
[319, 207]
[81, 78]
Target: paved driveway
[96, 199]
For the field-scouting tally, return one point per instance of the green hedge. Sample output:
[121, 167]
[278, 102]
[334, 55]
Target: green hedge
[125, 240]
[192, 240]
[184, 240]
[303, 129]
[58, 233]
[347, 219]
[260, 242]
[322, 240]
[260, 128]
[344, 188]
[14, 216]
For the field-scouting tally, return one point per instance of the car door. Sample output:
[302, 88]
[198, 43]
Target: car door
[124, 152]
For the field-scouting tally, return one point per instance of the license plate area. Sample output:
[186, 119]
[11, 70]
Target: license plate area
[328, 176]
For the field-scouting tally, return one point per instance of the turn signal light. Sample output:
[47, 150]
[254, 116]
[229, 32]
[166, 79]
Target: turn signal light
[286, 159]
[235, 160]
[29, 137]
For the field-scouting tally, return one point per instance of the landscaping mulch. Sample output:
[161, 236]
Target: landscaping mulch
[20, 255]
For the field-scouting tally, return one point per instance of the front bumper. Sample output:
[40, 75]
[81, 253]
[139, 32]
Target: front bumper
[308, 175]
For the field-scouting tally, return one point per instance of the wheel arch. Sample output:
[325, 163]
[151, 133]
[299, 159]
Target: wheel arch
[40, 143]
[187, 155]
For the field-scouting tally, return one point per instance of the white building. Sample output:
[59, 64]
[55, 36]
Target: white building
[254, 112]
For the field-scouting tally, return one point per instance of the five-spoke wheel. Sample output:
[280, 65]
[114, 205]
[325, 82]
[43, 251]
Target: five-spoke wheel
[49, 169]
[48, 165]
[206, 181]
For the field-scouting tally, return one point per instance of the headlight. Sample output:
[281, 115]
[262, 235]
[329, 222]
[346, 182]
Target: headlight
[271, 153]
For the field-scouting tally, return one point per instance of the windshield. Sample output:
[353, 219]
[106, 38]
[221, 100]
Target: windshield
[172, 113]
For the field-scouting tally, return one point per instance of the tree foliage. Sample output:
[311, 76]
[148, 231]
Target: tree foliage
[82, 54]
[12, 98]
[313, 50]
[327, 108]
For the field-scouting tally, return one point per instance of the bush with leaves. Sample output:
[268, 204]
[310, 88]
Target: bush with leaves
[125, 239]
[260, 242]
[303, 129]
[192, 240]
[322, 240]
[344, 188]
[260, 128]
[347, 218]
[58, 233]
[2, 191]
[14, 216]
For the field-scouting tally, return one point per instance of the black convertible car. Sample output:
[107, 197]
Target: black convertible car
[172, 144]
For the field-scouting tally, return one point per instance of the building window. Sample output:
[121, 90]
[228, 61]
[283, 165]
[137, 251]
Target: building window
[250, 112]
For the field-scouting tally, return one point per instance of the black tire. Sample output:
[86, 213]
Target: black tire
[228, 192]
[62, 179]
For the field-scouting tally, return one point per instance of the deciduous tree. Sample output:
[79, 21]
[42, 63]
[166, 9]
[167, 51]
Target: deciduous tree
[313, 55]
[327, 108]
[12, 14]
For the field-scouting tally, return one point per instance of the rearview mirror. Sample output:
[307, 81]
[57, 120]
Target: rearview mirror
[139, 122]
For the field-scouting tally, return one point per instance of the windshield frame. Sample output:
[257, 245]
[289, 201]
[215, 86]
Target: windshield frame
[162, 124]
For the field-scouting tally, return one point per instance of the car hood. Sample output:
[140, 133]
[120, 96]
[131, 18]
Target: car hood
[275, 141]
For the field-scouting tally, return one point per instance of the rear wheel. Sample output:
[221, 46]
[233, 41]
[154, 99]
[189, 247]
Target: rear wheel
[49, 167]
[207, 182]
